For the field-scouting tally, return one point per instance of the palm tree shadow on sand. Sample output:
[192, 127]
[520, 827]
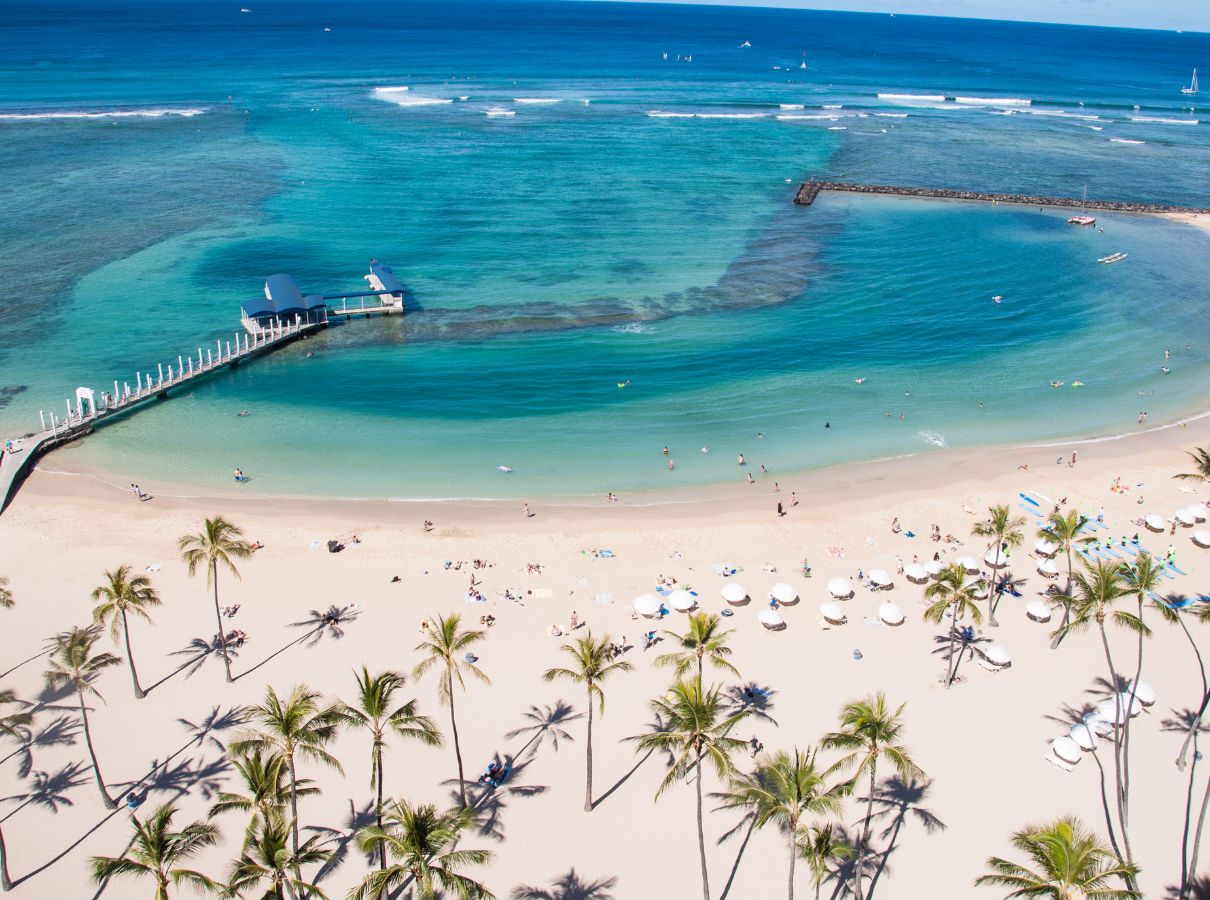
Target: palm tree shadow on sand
[898, 801]
[545, 723]
[340, 839]
[330, 622]
[569, 886]
[492, 800]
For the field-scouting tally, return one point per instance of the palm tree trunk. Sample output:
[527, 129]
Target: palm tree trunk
[457, 746]
[1197, 840]
[110, 803]
[6, 883]
[949, 674]
[865, 830]
[588, 752]
[222, 637]
[139, 694]
[1054, 644]
[1138, 672]
[793, 857]
[991, 589]
[1117, 746]
[382, 849]
[1197, 722]
[701, 834]
[293, 800]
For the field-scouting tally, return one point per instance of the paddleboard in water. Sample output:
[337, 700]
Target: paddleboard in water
[503, 469]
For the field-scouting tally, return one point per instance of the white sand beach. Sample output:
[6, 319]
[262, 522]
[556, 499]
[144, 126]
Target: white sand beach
[983, 743]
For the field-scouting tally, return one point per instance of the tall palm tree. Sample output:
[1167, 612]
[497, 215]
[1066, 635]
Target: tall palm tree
[1094, 592]
[950, 593]
[6, 595]
[422, 843]
[73, 665]
[692, 724]
[818, 847]
[157, 852]
[870, 733]
[373, 712]
[1176, 615]
[264, 778]
[591, 665]
[12, 725]
[705, 639]
[1063, 529]
[294, 727]
[124, 594]
[1201, 466]
[267, 859]
[1070, 863]
[218, 543]
[784, 789]
[1141, 580]
[448, 647]
[1003, 531]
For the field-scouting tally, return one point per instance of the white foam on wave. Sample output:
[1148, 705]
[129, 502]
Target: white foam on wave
[632, 328]
[1154, 120]
[157, 113]
[535, 100]
[401, 96]
[838, 128]
[833, 106]
[993, 101]
[817, 117]
[1059, 114]
[914, 98]
[1094, 127]
[660, 114]
[937, 440]
[892, 115]
[496, 112]
[1124, 141]
[790, 106]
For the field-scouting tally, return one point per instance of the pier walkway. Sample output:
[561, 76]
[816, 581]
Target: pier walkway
[809, 190]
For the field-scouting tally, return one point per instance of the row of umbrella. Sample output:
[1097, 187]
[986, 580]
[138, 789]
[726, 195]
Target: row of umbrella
[1099, 723]
[1188, 517]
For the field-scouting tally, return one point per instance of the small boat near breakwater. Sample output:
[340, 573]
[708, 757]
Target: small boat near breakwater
[1113, 258]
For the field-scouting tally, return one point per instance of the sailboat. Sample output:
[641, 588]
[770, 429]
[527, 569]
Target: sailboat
[1083, 219]
[803, 64]
[1192, 89]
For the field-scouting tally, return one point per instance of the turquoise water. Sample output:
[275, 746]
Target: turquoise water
[645, 236]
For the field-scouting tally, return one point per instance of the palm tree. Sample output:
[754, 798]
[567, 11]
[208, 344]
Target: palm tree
[219, 542]
[122, 595]
[1070, 864]
[1141, 579]
[1003, 531]
[267, 857]
[293, 727]
[1175, 615]
[818, 846]
[447, 646]
[784, 789]
[156, 852]
[422, 842]
[72, 664]
[951, 594]
[870, 733]
[264, 778]
[692, 723]
[705, 639]
[1201, 466]
[373, 713]
[1063, 529]
[591, 666]
[12, 725]
[6, 595]
[1095, 590]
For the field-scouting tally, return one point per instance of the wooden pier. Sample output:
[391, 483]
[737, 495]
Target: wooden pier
[809, 190]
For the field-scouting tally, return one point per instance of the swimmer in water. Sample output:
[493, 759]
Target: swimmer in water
[751, 480]
[665, 451]
[705, 449]
[827, 424]
[244, 412]
[1165, 369]
[760, 435]
[740, 461]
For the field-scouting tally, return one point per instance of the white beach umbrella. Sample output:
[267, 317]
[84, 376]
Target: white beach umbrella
[1116, 712]
[1143, 692]
[1154, 522]
[1185, 517]
[646, 605]
[783, 592]
[1045, 547]
[1066, 749]
[881, 577]
[770, 619]
[997, 655]
[1199, 513]
[1201, 538]
[916, 572]
[995, 558]
[978, 587]
[1084, 736]
[833, 612]
[682, 601]
[1049, 568]
[1038, 611]
[934, 566]
[1099, 724]
[840, 587]
[890, 613]
[968, 562]
[734, 592]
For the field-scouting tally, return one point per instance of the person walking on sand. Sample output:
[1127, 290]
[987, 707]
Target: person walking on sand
[1073, 458]
[525, 510]
[780, 510]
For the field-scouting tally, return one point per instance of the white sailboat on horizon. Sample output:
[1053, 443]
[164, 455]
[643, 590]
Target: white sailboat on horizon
[1192, 89]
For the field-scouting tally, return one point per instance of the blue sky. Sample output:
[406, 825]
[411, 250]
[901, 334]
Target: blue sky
[1190, 15]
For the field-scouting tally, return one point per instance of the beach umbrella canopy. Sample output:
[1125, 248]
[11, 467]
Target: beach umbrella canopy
[1045, 547]
[1049, 568]
[880, 577]
[1066, 749]
[890, 613]
[995, 558]
[997, 655]
[734, 592]
[646, 605]
[1117, 712]
[1038, 611]
[1201, 538]
[840, 587]
[769, 618]
[968, 562]
[1084, 736]
[1154, 522]
[1099, 724]
[916, 572]
[1199, 513]
[978, 587]
[1143, 692]
[1185, 517]
[833, 612]
[682, 601]
[783, 593]
[934, 566]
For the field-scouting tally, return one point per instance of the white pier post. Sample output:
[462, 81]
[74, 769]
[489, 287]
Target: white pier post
[180, 366]
[199, 357]
[170, 374]
[116, 395]
[68, 410]
[209, 358]
[229, 349]
[219, 352]
[42, 416]
[138, 380]
[191, 367]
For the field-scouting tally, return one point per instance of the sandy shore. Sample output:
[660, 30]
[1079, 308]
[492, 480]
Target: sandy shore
[982, 743]
[1197, 220]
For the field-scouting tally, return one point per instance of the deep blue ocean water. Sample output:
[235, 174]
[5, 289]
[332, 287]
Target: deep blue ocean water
[570, 210]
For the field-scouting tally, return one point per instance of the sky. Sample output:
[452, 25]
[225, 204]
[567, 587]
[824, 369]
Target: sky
[1190, 15]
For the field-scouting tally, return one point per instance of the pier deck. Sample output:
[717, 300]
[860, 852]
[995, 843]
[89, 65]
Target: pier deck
[809, 190]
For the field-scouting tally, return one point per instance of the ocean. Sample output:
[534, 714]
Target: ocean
[589, 205]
